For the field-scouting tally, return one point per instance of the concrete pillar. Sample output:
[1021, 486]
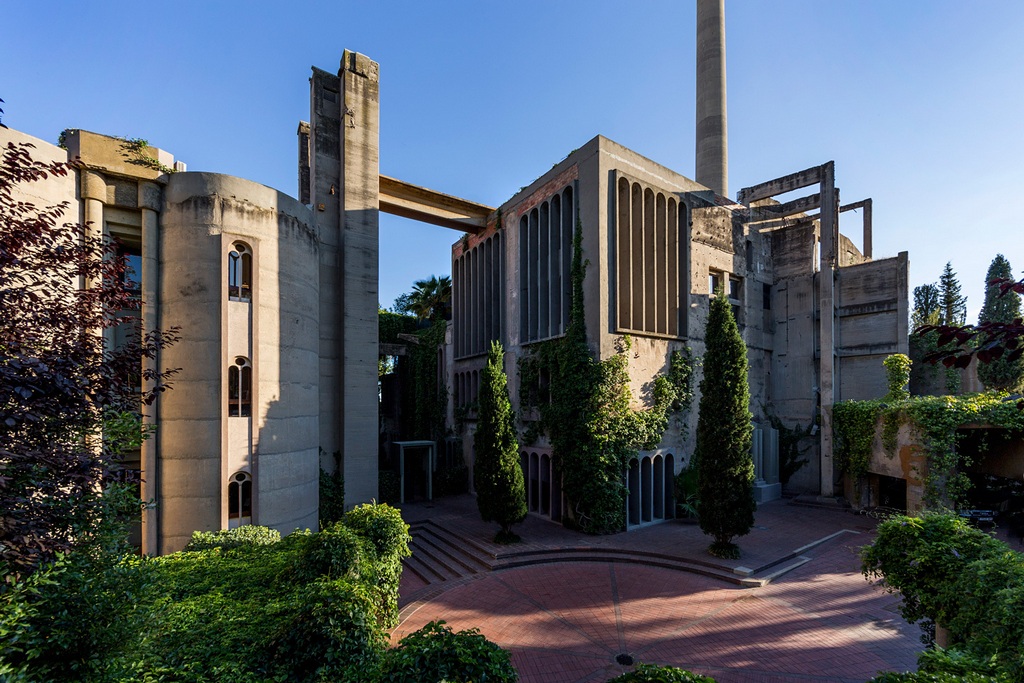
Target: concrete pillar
[867, 229]
[712, 167]
[149, 203]
[360, 205]
[827, 381]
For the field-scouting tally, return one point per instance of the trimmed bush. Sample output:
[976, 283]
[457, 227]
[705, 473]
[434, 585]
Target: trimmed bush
[436, 653]
[647, 673]
[233, 538]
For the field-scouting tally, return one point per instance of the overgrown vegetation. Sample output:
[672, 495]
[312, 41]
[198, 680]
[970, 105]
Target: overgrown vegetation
[963, 579]
[936, 421]
[725, 468]
[585, 409]
[497, 475]
[136, 152]
[238, 605]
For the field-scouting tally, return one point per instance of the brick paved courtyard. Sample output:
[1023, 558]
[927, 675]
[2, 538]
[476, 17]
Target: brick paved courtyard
[567, 621]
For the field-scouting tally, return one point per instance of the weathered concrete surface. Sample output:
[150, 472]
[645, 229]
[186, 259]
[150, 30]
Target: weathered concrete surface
[712, 168]
[202, 446]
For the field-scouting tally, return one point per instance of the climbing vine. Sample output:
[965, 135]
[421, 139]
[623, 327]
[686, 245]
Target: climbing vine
[937, 421]
[431, 400]
[584, 407]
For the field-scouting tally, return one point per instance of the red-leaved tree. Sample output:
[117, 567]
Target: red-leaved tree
[988, 341]
[68, 405]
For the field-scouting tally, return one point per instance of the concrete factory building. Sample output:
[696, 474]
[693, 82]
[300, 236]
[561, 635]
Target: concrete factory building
[279, 359]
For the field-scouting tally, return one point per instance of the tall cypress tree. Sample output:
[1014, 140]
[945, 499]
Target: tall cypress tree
[724, 430]
[497, 475]
[1000, 374]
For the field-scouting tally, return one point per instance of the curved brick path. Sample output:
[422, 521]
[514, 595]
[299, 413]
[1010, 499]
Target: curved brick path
[568, 621]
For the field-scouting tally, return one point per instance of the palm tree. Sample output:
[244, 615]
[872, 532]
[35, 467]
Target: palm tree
[431, 298]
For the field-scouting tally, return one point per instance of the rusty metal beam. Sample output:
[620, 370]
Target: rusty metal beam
[400, 198]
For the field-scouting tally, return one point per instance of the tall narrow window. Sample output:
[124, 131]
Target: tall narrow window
[240, 272]
[240, 388]
[240, 500]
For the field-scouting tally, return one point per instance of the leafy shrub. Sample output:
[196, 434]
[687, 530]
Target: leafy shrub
[73, 619]
[436, 653]
[388, 542]
[647, 673]
[233, 538]
[337, 552]
[331, 635]
[925, 677]
[961, 578]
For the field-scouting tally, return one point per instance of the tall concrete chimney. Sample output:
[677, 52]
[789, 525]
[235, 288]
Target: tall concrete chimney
[712, 139]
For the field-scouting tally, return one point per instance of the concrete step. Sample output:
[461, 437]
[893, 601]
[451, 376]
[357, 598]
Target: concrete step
[618, 556]
[461, 556]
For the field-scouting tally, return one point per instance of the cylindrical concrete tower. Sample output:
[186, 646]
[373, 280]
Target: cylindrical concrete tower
[239, 435]
[712, 141]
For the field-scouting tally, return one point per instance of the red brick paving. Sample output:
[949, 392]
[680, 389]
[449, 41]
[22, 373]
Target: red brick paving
[568, 621]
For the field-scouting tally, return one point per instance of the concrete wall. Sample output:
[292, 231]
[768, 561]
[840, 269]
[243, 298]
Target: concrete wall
[872, 301]
[204, 215]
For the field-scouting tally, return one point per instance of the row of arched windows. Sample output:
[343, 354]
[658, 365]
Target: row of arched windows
[545, 258]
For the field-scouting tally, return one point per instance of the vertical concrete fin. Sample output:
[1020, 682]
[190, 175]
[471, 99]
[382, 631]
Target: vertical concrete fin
[359, 132]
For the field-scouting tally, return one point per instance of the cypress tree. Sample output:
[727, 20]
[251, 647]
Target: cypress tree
[952, 304]
[497, 475]
[1000, 374]
[725, 468]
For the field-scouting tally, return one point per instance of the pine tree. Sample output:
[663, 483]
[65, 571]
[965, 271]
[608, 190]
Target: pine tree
[1000, 374]
[952, 304]
[497, 475]
[724, 430]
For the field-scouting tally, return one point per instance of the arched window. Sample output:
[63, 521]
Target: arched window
[239, 500]
[240, 388]
[240, 272]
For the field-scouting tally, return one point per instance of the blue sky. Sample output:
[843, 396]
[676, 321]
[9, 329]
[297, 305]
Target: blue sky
[919, 102]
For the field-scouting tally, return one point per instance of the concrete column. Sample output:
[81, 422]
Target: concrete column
[94, 195]
[712, 167]
[867, 229]
[827, 382]
[149, 202]
[360, 163]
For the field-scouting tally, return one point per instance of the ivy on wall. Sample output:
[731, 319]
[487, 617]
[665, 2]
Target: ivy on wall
[585, 409]
[936, 421]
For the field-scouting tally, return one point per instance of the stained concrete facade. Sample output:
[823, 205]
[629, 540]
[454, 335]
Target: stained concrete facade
[278, 355]
[657, 245]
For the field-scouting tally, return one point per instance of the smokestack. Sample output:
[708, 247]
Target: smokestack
[712, 140]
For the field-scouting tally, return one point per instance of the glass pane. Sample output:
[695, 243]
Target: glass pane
[233, 507]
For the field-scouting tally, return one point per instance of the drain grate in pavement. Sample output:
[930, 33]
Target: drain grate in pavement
[624, 659]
